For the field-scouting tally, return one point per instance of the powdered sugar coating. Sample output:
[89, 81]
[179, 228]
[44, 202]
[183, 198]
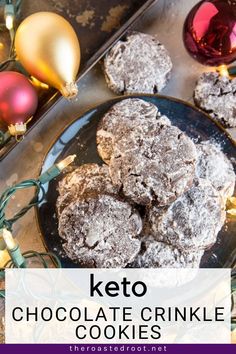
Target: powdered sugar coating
[84, 179]
[139, 64]
[100, 231]
[193, 221]
[126, 115]
[154, 254]
[155, 167]
[214, 166]
[216, 95]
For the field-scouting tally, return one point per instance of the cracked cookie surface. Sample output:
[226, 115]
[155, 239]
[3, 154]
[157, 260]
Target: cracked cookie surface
[100, 231]
[124, 116]
[214, 166]
[84, 179]
[193, 221]
[155, 167]
[216, 95]
[138, 64]
[154, 254]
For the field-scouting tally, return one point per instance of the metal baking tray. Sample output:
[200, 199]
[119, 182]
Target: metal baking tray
[98, 24]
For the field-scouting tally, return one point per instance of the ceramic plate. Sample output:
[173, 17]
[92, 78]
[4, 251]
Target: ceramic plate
[80, 139]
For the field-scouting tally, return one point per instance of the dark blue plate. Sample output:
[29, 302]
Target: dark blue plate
[80, 139]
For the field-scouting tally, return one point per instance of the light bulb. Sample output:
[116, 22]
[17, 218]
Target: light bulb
[223, 70]
[9, 240]
[9, 13]
[9, 22]
[66, 162]
[231, 206]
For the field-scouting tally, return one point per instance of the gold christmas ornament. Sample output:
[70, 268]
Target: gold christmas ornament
[47, 46]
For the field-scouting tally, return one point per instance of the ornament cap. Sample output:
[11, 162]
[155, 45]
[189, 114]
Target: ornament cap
[17, 129]
[70, 91]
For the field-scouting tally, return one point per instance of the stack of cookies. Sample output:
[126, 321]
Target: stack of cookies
[158, 201]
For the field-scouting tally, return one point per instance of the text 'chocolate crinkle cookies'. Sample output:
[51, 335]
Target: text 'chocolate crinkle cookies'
[100, 231]
[192, 222]
[154, 254]
[155, 167]
[123, 117]
[138, 64]
[83, 180]
[216, 95]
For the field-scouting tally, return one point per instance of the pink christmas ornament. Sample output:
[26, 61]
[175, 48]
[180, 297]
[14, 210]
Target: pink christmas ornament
[18, 101]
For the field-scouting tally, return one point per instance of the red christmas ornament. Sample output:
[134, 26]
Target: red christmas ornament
[18, 101]
[210, 32]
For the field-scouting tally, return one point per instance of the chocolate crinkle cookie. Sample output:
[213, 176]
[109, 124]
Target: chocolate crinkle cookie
[138, 64]
[216, 95]
[154, 254]
[83, 180]
[154, 168]
[122, 117]
[100, 231]
[214, 166]
[192, 222]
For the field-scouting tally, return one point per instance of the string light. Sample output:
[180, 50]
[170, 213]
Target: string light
[6, 240]
[223, 70]
[13, 249]
[231, 206]
[66, 162]
[9, 22]
[9, 12]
